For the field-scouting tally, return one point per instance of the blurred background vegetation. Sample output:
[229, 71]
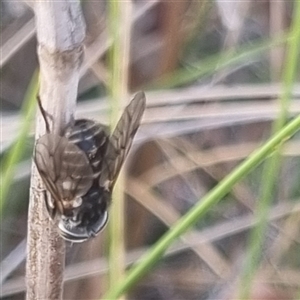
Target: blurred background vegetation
[214, 73]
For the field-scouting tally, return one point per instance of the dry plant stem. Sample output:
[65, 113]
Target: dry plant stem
[60, 32]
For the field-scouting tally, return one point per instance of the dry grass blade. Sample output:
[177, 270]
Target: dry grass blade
[16, 42]
[206, 114]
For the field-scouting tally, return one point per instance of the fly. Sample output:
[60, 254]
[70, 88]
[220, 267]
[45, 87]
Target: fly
[80, 167]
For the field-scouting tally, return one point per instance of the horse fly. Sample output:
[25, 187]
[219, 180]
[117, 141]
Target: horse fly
[79, 169]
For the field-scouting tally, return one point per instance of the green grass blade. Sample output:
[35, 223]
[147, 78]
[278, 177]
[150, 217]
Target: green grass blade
[272, 167]
[212, 198]
[119, 29]
[13, 156]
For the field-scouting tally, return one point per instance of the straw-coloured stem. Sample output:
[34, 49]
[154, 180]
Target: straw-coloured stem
[60, 32]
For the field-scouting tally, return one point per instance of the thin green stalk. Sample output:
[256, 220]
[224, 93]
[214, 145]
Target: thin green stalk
[119, 56]
[15, 153]
[272, 167]
[114, 60]
[192, 216]
[115, 225]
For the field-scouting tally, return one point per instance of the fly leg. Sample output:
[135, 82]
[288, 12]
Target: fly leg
[44, 113]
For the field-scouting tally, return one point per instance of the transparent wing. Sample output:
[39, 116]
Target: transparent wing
[64, 168]
[121, 141]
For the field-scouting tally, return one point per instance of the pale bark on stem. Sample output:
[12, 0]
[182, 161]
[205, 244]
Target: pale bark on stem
[60, 33]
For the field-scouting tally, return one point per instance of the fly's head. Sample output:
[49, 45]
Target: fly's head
[89, 219]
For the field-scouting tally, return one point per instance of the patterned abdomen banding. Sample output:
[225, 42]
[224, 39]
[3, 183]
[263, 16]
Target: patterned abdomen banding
[92, 138]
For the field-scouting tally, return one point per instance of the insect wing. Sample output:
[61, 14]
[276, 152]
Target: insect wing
[64, 168]
[121, 141]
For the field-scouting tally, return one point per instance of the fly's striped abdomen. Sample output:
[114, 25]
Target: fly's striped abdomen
[92, 139]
